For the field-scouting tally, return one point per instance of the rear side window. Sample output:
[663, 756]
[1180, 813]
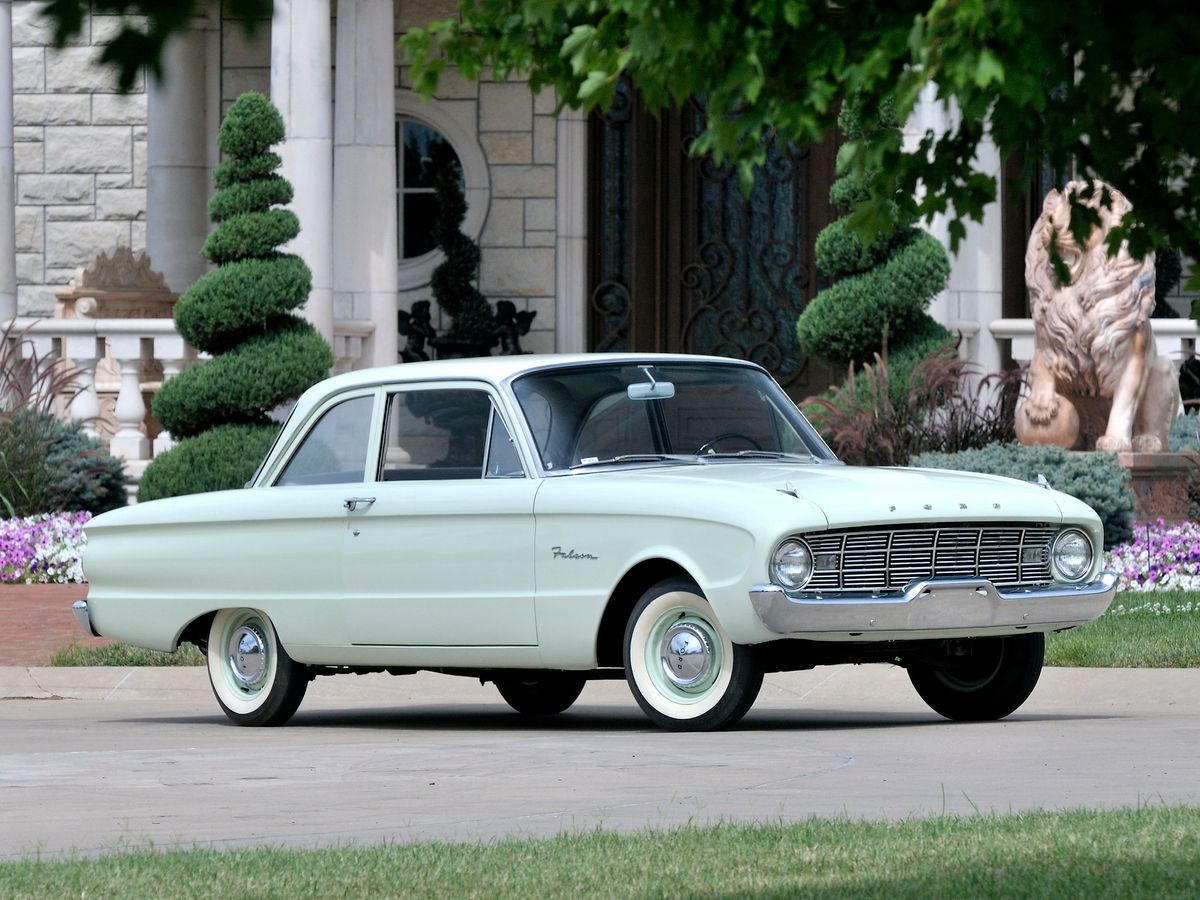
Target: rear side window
[335, 449]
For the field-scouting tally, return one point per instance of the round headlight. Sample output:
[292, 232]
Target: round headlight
[792, 565]
[1072, 555]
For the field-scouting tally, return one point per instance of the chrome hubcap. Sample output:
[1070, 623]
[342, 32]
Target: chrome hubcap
[686, 655]
[247, 656]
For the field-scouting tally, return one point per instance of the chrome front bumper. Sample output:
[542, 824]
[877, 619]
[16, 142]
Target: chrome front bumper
[936, 606]
[83, 617]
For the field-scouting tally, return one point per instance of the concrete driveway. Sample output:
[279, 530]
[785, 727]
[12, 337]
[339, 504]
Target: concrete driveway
[99, 759]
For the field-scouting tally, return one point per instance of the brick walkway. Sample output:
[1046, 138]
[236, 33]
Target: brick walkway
[36, 622]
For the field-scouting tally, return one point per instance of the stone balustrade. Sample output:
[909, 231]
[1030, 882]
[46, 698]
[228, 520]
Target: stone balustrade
[1174, 338]
[121, 363]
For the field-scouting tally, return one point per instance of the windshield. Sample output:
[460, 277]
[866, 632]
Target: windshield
[584, 416]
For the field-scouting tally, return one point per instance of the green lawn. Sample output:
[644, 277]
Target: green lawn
[1132, 853]
[1158, 630]
[126, 655]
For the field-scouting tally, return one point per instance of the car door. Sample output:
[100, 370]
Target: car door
[439, 550]
[290, 543]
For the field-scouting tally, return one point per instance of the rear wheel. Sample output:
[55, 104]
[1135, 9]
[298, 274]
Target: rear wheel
[253, 678]
[988, 682]
[683, 669]
[546, 696]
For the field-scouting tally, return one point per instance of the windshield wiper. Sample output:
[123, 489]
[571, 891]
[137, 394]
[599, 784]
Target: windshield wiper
[759, 454]
[635, 458]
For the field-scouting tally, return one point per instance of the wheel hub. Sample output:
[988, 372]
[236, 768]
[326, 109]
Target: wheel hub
[687, 655]
[247, 655]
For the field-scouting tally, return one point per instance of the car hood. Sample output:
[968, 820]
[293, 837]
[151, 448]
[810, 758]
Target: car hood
[854, 495]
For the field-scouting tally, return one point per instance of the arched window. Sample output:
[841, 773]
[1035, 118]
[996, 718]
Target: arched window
[422, 153]
[429, 135]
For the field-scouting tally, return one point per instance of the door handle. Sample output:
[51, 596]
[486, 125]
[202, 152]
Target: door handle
[351, 503]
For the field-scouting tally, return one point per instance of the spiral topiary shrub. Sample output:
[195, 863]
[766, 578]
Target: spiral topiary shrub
[242, 314]
[1098, 479]
[472, 328]
[879, 288]
[223, 457]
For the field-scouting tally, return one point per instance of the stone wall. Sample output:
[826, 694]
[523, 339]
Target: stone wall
[80, 156]
[516, 133]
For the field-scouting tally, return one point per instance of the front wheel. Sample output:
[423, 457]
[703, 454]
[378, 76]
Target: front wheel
[683, 669]
[546, 696]
[254, 679]
[988, 682]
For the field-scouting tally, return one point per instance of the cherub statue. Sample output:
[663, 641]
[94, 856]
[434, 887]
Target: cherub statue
[417, 327]
[511, 325]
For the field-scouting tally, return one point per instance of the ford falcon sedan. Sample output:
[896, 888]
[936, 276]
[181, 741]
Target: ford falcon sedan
[539, 521]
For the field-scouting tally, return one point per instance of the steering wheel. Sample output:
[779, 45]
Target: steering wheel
[707, 446]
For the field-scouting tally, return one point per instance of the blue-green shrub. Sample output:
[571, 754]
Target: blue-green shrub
[1098, 479]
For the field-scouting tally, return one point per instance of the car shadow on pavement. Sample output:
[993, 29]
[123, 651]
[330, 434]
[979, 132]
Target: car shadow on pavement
[473, 718]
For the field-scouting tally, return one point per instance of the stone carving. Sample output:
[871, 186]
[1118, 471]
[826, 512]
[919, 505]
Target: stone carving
[1096, 380]
[121, 286]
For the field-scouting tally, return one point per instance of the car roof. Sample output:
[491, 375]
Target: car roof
[497, 369]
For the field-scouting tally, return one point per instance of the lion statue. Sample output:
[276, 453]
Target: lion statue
[1096, 380]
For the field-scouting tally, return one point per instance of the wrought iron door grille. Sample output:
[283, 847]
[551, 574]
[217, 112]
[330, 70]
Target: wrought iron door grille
[1007, 555]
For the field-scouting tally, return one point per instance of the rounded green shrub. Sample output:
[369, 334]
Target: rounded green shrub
[222, 458]
[230, 304]
[251, 196]
[246, 382]
[262, 356]
[252, 126]
[250, 235]
[1098, 479]
[880, 289]
[237, 171]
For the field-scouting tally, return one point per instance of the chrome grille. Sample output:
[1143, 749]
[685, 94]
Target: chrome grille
[1006, 555]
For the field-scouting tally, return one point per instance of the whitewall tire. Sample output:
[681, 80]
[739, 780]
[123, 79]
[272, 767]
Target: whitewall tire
[683, 669]
[253, 678]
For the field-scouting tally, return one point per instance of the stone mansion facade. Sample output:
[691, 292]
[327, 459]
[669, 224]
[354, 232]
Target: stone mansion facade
[601, 225]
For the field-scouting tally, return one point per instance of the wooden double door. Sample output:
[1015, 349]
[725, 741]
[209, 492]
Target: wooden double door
[682, 260]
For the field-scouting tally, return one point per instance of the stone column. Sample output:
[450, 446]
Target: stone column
[177, 178]
[8, 210]
[364, 173]
[302, 88]
[571, 262]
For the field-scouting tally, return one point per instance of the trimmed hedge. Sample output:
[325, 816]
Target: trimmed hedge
[231, 303]
[251, 127]
[1098, 479]
[220, 459]
[240, 313]
[251, 235]
[237, 171]
[845, 322]
[258, 195]
[246, 382]
[880, 290]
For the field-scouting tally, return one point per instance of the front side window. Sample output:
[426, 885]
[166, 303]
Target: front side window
[422, 152]
[335, 449]
[446, 434]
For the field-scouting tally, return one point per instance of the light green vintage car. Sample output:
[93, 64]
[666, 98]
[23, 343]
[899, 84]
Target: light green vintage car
[538, 521]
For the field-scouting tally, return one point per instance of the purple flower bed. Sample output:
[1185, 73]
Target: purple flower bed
[1160, 557]
[43, 549]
